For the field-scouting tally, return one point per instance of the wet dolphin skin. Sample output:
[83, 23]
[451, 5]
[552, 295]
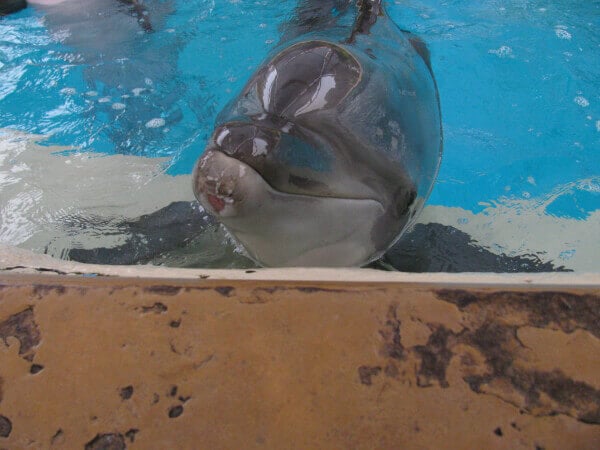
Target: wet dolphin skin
[333, 145]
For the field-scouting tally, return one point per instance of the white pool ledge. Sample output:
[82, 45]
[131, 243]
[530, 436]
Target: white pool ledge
[17, 260]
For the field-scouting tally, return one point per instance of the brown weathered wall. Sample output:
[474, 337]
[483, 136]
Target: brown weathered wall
[106, 363]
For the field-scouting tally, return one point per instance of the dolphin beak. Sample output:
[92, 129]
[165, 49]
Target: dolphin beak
[214, 181]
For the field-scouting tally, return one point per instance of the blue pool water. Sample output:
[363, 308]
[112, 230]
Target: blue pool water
[69, 87]
[520, 88]
[519, 82]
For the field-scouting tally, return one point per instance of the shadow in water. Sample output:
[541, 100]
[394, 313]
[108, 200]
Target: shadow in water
[183, 235]
[178, 235]
[440, 248]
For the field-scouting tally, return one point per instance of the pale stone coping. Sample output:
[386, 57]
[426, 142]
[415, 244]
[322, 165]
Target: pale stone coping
[17, 260]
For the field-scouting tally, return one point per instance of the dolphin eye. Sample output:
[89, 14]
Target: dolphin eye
[307, 184]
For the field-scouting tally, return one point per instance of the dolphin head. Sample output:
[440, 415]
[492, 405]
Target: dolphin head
[270, 189]
[289, 176]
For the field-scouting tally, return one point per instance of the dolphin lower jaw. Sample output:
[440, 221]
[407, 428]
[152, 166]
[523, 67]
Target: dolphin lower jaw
[339, 251]
[309, 231]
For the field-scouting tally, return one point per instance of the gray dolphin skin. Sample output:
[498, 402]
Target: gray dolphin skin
[333, 145]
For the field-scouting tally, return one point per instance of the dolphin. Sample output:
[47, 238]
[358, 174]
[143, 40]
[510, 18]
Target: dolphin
[332, 147]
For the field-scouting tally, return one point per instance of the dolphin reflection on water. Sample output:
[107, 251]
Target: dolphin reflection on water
[85, 8]
[128, 71]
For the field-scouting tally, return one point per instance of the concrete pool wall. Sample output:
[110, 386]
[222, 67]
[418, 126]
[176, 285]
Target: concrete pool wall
[105, 357]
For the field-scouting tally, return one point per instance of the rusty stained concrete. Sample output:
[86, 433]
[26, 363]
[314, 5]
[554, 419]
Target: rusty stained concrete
[112, 363]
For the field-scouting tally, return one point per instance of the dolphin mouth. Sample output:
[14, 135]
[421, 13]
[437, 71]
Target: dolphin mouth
[221, 182]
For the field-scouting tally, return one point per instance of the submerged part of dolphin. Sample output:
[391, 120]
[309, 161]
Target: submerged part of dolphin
[137, 8]
[127, 61]
[333, 145]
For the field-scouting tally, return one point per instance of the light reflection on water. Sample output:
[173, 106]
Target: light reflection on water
[519, 83]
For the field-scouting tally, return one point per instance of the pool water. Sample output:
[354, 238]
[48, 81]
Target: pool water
[102, 122]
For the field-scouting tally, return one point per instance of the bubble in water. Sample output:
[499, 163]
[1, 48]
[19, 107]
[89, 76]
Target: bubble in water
[503, 52]
[590, 186]
[581, 101]
[155, 123]
[118, 106]
[562, 33]
[104, 100]
[91, 93]
[68, 91]
[598, 126]
[137, 91]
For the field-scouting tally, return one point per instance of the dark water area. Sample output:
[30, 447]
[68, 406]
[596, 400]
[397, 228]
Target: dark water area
[434, 247]
[157, 237]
